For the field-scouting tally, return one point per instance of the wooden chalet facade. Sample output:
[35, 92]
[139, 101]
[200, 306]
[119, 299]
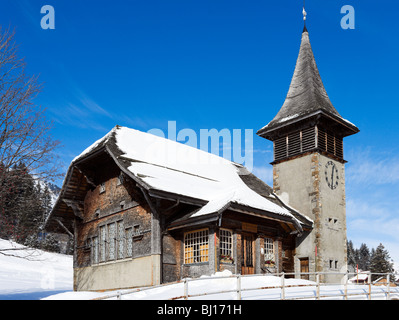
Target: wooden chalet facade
[130, 232]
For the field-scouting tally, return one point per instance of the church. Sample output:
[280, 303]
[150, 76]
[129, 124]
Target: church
[144, 210]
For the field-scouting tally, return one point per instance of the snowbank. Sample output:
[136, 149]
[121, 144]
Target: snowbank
[25, 270]
[206, 287]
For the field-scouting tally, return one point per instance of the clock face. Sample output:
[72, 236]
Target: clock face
[332, 176]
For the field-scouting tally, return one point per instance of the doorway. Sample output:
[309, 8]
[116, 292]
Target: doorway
[304, 268]
[247, 248]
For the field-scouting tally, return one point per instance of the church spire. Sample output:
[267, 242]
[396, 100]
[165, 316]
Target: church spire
[306, 96]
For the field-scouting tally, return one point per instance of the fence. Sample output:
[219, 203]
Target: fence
[287, 288]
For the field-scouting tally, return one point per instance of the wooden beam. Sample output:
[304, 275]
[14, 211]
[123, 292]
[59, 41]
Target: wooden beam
[76, 206]
[65, 228]
[156, 245]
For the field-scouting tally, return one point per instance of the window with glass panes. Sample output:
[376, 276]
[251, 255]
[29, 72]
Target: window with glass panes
[120, 239]
[129, 242]
[269, 250]
[114, 243]
[111, 241]
[196, 246]
[103, 241]
[226, 244]
[94, 250]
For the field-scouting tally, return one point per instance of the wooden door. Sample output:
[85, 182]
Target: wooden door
[304, 268]
[247, 248]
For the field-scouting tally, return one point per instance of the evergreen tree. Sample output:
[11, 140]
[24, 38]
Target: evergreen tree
[381, 262]
[364, 257]
[351, 255]
[46, 204]
[357, 257]
[50, 243]
[22, 209]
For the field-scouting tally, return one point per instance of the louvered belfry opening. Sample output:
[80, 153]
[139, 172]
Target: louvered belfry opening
[306, 140]
[331, 144]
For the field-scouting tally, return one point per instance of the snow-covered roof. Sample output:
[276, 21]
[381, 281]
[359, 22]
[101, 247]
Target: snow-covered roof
[177, 168]
[361, 276]
[165, 168]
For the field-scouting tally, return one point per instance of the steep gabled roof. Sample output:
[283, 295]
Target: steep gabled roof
[162, 166]
[307, 95]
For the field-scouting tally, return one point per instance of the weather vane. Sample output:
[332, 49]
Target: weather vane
[304, 11]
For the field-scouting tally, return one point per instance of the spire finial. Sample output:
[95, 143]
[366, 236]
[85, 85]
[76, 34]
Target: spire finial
[304, 12]
[304, 17]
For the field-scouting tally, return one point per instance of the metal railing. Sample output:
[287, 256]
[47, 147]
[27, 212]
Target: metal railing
[318, 289]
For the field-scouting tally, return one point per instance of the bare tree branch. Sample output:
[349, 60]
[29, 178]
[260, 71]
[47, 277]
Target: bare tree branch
[25, 133]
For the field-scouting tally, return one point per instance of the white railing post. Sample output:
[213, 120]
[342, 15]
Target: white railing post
[282, 287]
[369, 283]
[318, 286]
[388, 286]
[238, 287]
[185, 289]
[346, 286]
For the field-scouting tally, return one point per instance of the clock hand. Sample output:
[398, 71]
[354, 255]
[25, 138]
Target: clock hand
[332, 176]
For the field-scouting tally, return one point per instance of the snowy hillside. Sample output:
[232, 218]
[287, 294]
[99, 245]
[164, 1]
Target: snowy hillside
[32, 274]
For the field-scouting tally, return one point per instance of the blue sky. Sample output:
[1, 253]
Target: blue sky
[222, 64]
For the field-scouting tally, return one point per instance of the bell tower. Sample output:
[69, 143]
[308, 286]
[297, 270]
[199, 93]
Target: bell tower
[309, 165]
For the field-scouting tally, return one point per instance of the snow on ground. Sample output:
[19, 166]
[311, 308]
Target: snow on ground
[31, 274]
[34, 274]
[253, 288]
[204, 287]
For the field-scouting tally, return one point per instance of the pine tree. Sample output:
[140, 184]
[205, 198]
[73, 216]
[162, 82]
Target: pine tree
[357, 257]
[364, 257]
[351, 255]
[50, 243]
[381, 262]
[22, 209]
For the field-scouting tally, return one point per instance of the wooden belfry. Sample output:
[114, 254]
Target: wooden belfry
[307, 120]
